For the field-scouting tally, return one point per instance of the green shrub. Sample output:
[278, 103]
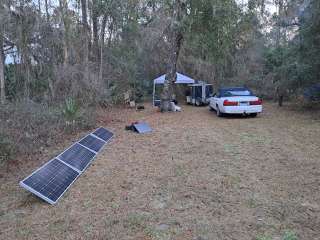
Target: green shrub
[6, 149]
[263, 237]
[70, 111]
[76, 117]
[289, 235]
[29, 127]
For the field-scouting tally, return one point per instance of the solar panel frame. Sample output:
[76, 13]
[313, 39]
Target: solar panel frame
[73, 167]
[40, 195]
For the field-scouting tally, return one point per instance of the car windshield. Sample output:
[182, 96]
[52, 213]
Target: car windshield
[231, 93]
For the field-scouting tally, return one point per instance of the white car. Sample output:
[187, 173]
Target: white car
[237, 100]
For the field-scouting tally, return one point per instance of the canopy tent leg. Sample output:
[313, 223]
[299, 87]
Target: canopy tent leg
[154, 91]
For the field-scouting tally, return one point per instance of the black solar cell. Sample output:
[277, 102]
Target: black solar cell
[103, 133]
[93, 143]
[51, 180]
[77, 156]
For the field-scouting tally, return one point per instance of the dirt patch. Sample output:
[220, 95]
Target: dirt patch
[195, 176]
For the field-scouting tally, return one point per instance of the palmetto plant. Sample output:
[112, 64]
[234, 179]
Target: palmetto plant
[263, 237]
[70, 111]
[289, 235]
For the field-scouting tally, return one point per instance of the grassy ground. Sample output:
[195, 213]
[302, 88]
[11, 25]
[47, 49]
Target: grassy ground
[195, 177]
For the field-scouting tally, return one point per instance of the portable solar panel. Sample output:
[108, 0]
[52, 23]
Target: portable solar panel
[92, 143]
[50, 181]
[77, 156]
[103, 133]
[142, 127]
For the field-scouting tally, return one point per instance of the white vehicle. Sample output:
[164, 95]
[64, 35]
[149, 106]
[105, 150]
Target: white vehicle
[237, 100]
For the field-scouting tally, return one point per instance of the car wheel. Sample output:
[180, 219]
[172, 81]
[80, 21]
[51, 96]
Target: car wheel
[219, 113]
[253, 114]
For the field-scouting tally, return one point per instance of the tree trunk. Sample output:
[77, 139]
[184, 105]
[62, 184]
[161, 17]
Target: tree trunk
[263, 6]
[111, 30]
[280, 100]
[176, 37]
[95, 47]
[64, 21]
[280, 18]
[46, 8]
[102, 36]
[171, 75]
[2, 65]
[85, 39]
[26, 69]
[39, 6]
[23, 51]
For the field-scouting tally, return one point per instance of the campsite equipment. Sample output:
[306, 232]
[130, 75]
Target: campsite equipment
[142, 127]
[127, 97]
[131, 126]
[181, 79]
[133, 97]
[199, 93]
[132, 104]
[139, 107]
[139, 127]
[53, 179]
[174, 107]
[312, 93]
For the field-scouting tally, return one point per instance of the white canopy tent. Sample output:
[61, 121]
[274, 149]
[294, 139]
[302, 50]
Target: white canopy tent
[181, 79]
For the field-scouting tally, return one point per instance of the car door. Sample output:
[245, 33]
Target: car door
[213, 101]
[218, 100]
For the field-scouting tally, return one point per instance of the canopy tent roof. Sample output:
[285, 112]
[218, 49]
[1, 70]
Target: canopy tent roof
[181, 79]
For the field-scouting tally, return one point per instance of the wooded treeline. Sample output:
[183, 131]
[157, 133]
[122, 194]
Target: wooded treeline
[80, 53]
[95, 50]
